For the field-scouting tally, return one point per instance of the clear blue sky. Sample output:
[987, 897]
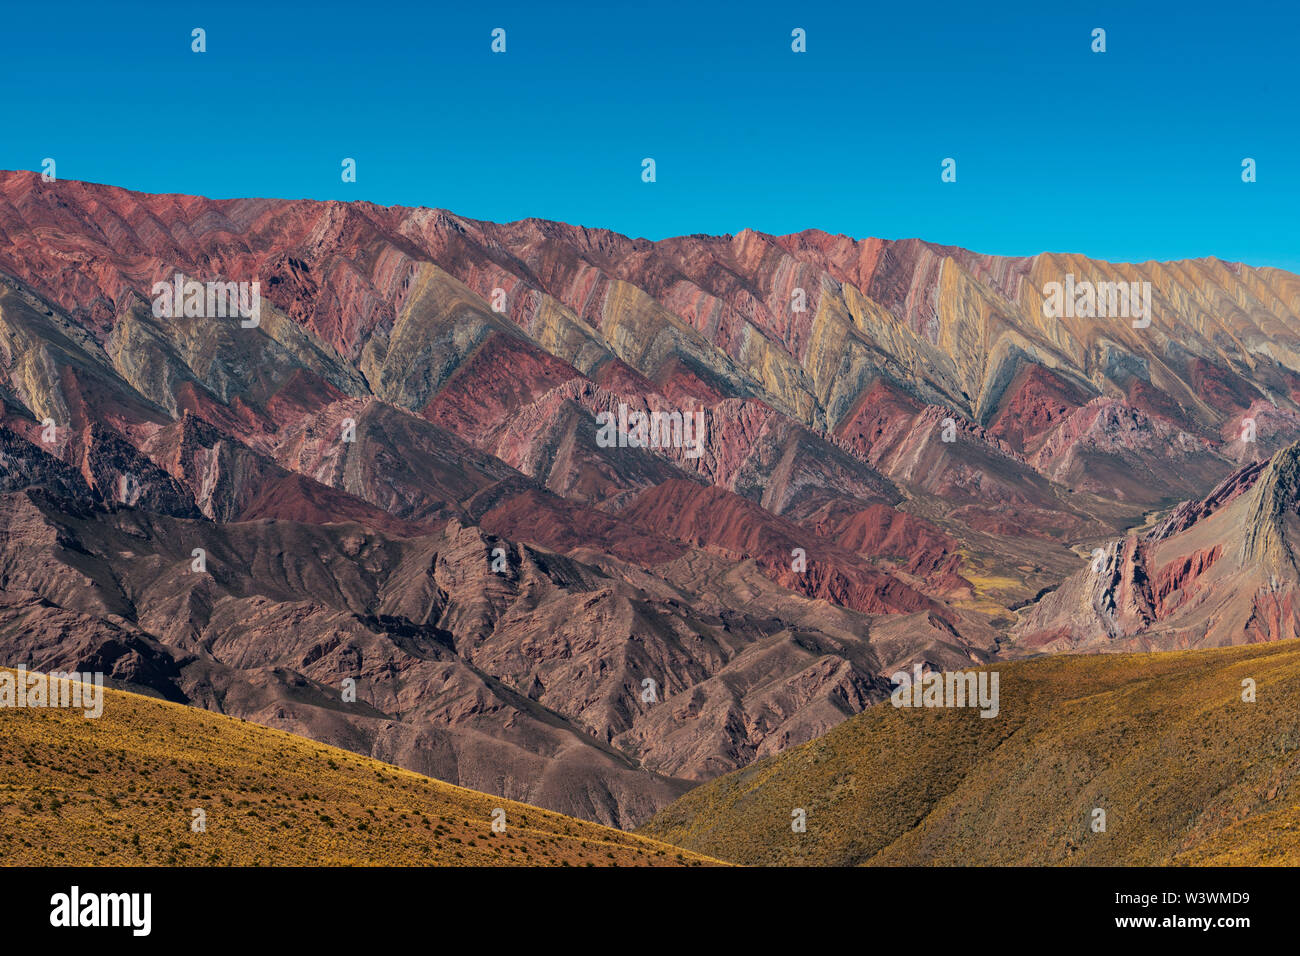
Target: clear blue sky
[1129, 155]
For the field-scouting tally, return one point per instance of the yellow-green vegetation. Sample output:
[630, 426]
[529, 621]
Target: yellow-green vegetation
[993, 584]
[1184, 769]
[999, 584]
[121, 790]
[993, 593]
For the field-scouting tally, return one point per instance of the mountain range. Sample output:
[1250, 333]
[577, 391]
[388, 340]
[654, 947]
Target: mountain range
[394, 478]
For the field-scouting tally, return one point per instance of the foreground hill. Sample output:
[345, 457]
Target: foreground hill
[121, 790]
[1185, 770]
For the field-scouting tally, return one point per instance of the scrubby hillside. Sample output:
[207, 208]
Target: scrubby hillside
[1184, 769]
[122, 790]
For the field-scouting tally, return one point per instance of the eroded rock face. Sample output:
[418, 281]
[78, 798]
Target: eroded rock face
[397, 476]
[1222, 570]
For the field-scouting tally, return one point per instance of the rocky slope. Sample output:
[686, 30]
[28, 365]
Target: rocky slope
[1217, 571]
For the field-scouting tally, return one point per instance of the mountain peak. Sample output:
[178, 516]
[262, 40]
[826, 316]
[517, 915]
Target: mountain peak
[1275, 501]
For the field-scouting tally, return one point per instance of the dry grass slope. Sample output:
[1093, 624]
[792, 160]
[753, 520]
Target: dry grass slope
[120, 790]
[1186, 772]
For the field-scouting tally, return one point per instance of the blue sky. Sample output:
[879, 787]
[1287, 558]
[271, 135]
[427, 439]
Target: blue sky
[1133, 154]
